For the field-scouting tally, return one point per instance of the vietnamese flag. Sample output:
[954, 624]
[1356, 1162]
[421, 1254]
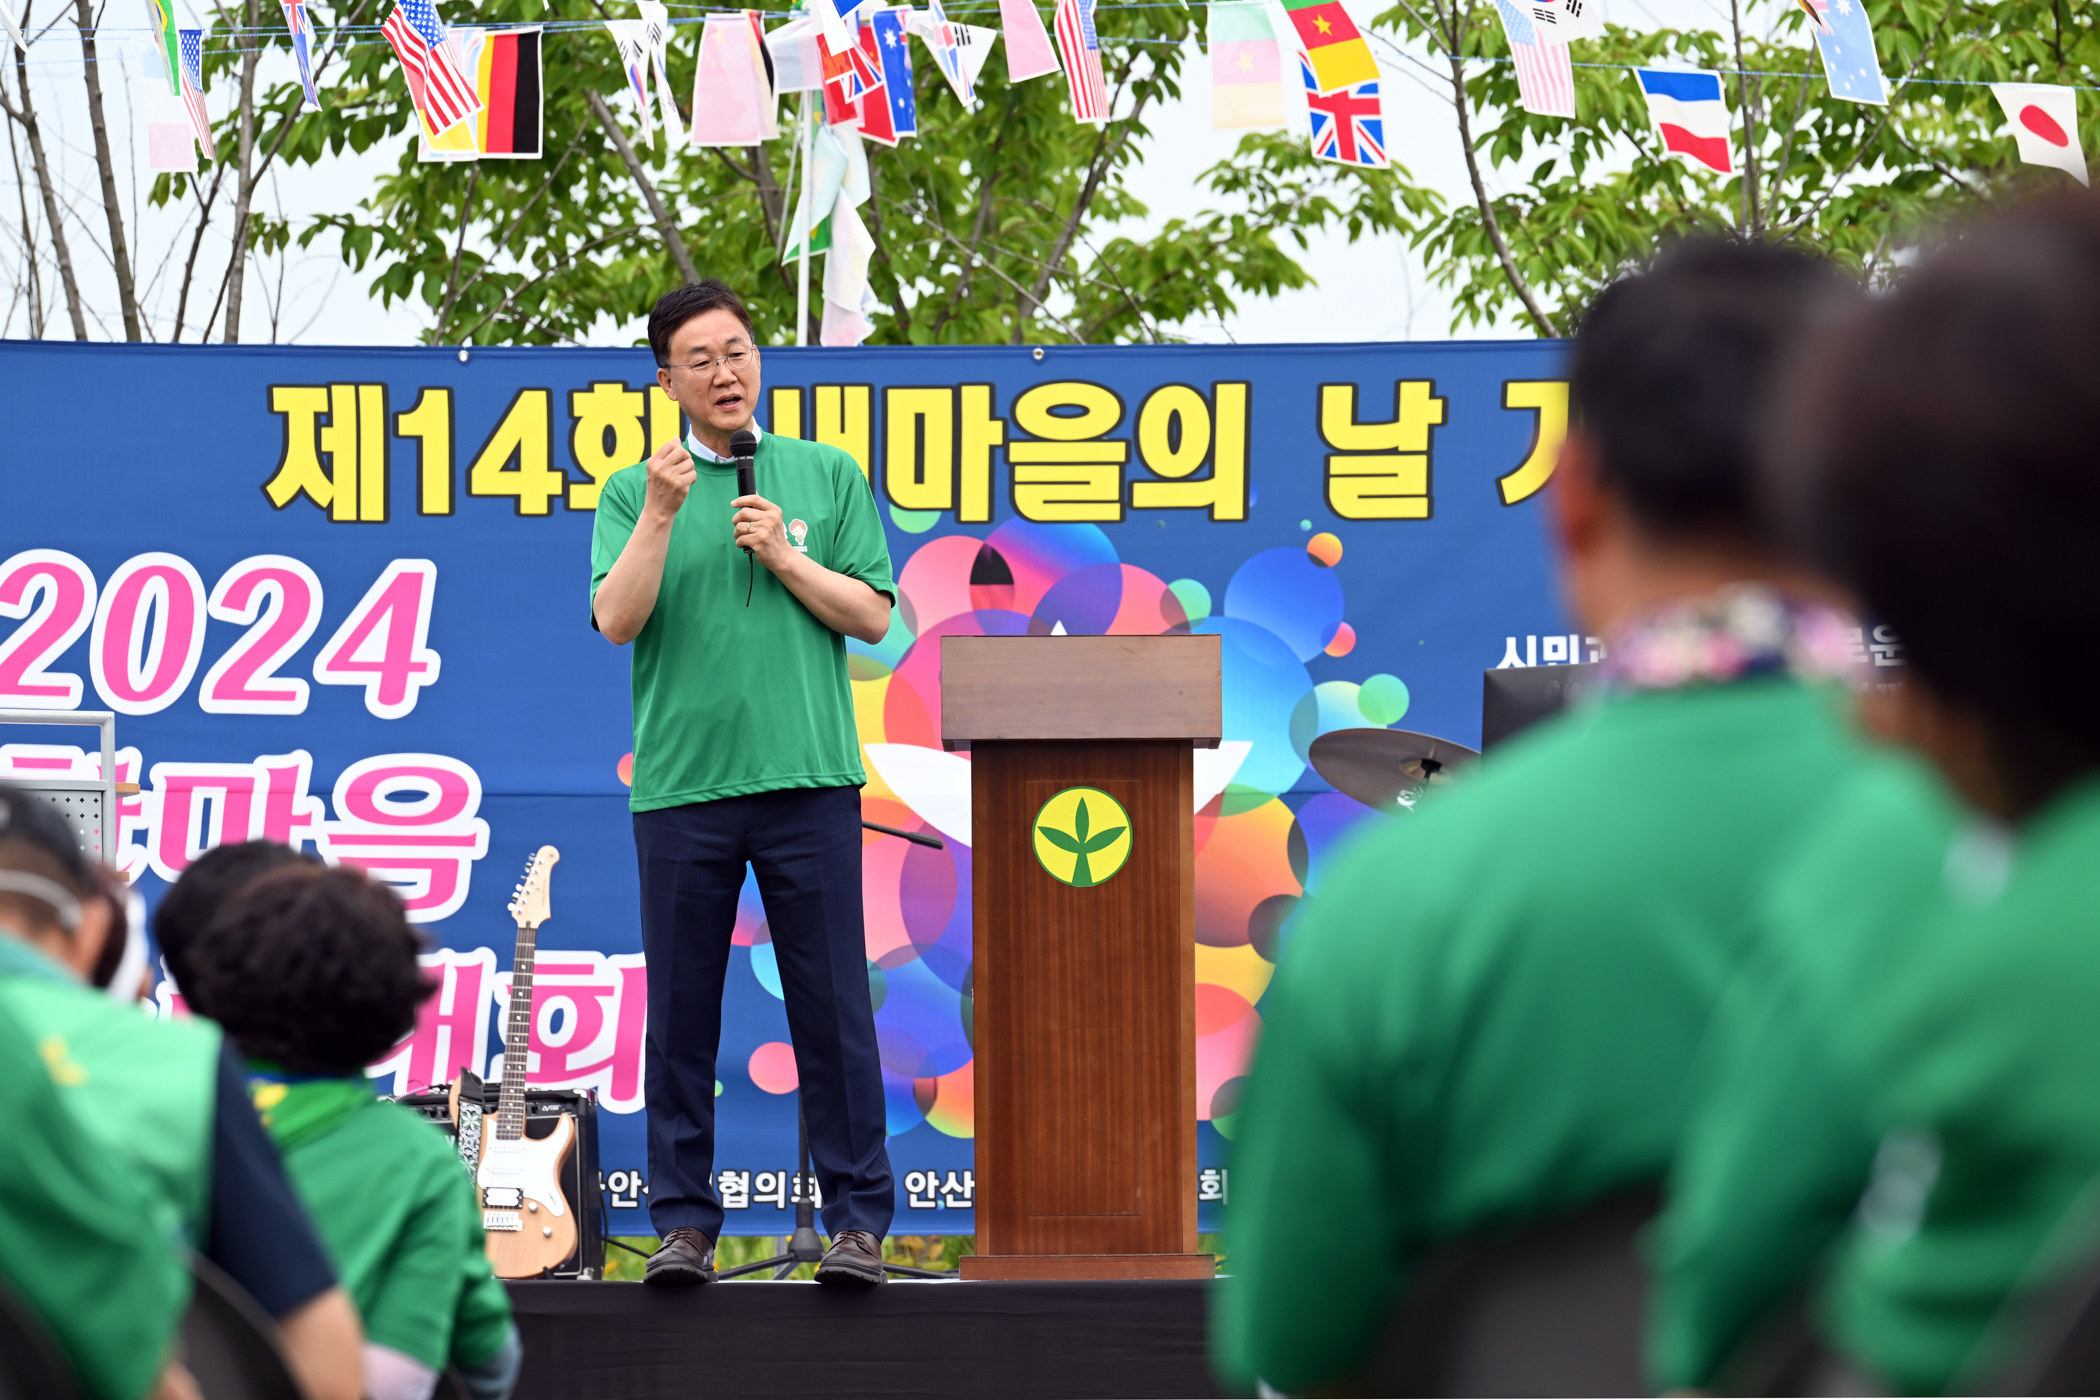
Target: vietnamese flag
[1339, 55]
[508, 79]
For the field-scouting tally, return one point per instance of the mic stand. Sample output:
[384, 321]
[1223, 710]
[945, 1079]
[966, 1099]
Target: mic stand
[805, 1246]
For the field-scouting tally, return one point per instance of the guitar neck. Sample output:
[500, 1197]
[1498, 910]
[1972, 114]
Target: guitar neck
[517, 1038]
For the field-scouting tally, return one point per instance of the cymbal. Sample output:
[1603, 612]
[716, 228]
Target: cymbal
[1384, 768]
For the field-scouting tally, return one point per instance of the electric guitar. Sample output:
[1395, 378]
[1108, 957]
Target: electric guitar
[531, 1228]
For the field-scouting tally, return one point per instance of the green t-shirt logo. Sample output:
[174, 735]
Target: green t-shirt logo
[1082, 836]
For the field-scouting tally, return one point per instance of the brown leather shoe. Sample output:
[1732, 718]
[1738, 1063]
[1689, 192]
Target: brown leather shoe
[685, 1256]
[855, 1256]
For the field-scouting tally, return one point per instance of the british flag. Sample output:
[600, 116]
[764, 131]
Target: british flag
[303, 48]
[1081, 48]
[1347, 126]
[191, 43]
[443, 94]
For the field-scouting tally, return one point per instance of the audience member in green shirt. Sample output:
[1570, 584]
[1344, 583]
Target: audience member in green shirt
[159, 1100]
[313, 973]
[1780, 1143]
[1942, 463]
[75, 1243]
[1488, 1014]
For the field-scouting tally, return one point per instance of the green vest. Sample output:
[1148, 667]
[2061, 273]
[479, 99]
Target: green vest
[72, 1236]
[143, 1088]
[1784, 1135]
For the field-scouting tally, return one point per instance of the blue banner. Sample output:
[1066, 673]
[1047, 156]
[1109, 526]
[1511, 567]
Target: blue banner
[339, 598]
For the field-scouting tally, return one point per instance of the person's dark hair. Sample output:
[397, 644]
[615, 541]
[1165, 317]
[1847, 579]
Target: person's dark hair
[1673, 373]
[311, 968]
[35, 840]
[203, 889]
[1940, 461]
[674, 309]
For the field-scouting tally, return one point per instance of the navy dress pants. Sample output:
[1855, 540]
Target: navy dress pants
[804, 846]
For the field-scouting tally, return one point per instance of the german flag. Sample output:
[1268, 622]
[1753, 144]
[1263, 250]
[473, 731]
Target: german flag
[506, 68]
[1338, 53]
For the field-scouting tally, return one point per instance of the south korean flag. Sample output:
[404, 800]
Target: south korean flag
[1563, 21]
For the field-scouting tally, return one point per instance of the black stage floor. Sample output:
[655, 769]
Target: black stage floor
[616, 1341]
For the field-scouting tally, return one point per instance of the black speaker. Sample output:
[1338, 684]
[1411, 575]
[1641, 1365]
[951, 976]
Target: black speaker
[1514, 698]
[579, 1177]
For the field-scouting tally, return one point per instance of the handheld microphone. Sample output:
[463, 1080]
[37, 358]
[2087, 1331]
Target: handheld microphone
[743, 445]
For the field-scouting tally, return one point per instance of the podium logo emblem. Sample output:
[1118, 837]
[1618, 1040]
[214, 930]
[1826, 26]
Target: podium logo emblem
[1082, 836]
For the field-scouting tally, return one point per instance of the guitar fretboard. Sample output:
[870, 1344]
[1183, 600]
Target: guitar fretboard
[517, 1039]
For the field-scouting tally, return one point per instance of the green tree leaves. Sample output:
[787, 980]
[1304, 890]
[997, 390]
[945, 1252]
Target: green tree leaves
[1591, 200]
[992, 226]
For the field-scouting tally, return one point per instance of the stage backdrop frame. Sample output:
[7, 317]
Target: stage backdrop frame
[339, 597]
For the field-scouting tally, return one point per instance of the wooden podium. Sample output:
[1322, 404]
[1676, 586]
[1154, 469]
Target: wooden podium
[1082, 793]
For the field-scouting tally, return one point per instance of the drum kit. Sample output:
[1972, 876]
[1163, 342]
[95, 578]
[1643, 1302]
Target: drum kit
[1387, 769]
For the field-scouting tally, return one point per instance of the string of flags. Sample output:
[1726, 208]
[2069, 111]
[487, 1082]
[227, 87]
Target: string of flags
[478, 92]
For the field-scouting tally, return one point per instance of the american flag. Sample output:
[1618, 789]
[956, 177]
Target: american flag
[303, 47]
[192, 46]
[1348, 126]
[440, 91]
[1545, 73]
[1081, 48]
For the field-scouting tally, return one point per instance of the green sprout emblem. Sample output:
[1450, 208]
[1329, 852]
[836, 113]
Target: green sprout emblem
[1078, 843]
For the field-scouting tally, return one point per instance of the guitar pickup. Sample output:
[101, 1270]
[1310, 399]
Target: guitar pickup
[503, 1197]
[509, 1220]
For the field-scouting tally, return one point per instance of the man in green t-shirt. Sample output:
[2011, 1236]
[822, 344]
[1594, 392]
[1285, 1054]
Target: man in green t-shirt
[745, 753]
[1780, 1141]
[1485, 1015]
[1944, 468]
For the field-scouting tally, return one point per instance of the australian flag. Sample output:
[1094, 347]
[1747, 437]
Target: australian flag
[1347, 126]
[1846, 42]
[887, 26]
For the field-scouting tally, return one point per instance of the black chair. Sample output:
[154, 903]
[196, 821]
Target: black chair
[2059, 1350]
[450, 1386]
[31, 1365]
[1552, 1309]
[230, 1344]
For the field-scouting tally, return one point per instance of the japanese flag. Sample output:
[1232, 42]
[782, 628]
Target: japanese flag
[2044, 121]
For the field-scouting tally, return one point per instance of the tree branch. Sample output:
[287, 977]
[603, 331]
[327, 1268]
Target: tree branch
[27, 119]
[205, 200]
[1752, 219]
[244, 188]
[120, 255]
[664, 225]
[984, 215]
[459, 249]
[1487, 208]
[1104, 151]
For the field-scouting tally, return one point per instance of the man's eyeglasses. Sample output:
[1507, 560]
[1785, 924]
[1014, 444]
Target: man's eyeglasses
[735, 359]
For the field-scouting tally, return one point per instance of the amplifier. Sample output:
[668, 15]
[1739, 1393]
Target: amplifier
[579, 1178]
